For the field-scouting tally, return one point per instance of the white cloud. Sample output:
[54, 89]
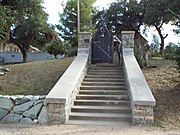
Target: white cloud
[53, 7]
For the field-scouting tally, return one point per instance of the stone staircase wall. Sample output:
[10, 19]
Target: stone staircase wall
[142, 100]
[61, 98]
[23, 109]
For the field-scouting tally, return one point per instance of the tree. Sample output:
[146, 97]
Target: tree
[177, 58]
[121, 15]
[55, 48]
[154, 46]
[68, 19]
[28, 26]
[170, 51]
[6, 21]
[156, 15]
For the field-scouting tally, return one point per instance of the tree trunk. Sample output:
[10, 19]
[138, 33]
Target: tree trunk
[161, 38]
[24, 53]
[55, 56]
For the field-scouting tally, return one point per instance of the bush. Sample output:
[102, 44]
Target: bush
[170, 51]
[71, 52]
[154, 54]
[139, 57]
[55, 48]
[177, 57]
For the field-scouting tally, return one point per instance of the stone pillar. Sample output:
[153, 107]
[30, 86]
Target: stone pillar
[84, 44]
[127, 39]
[127, 42]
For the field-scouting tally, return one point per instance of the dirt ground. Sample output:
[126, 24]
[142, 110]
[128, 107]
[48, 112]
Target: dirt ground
[164, 82]
[12, 129]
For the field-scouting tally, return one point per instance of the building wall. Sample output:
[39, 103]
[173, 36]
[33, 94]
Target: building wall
[9, 48]
[15, 57]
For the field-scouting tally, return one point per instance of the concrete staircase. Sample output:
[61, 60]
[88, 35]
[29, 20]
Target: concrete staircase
[103, 98]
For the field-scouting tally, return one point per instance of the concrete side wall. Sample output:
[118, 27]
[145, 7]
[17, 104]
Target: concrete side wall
[13, 57]
[61, 98]
[142, 100]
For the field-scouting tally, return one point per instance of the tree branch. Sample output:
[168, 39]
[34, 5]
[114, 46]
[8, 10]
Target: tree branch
[165, 36]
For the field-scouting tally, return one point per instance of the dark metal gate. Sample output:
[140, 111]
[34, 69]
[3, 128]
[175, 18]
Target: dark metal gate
[102, 46]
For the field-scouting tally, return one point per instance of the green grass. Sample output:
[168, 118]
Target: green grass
[33, 78]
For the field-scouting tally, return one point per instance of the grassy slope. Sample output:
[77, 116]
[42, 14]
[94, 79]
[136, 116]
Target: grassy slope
[33, 78]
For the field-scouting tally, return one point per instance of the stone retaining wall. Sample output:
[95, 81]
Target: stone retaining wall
[23, 109]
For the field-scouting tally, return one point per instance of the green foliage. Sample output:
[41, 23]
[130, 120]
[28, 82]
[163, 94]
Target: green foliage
[6, 21]
[170, 51]
[154, 47]
[72, 51]
[177, 57]
[157, 14]
[174, 11]
[68, 20]
[139, 56]
[121, 15]
[55, 48]
[155, 44]
[26, 23]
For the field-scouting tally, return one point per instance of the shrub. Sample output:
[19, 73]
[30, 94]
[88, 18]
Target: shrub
[139, 57]
[177, 57]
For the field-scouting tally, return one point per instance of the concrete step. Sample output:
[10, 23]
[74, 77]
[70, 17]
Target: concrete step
[104, 70]
[104, 79]
[102, 102]
[99, 123]
[102, 97]
[102, 109]
[99, 116]
[106, 65]
[105, 76]
[104, 92]
[104, 73]
[103, 88]
[84, 83]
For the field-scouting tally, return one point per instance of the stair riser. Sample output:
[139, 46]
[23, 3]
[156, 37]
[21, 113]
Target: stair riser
[109, 70]
[101, 98]
[103, 88]
[100, 111]
[106, 76]
[99, 118]
[102, 103]
[103, 84]
[103, 80]
[102, 93]
[105, 73]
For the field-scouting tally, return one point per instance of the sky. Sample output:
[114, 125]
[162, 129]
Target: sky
[53, 8]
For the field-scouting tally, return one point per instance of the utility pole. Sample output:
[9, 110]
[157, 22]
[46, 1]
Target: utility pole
[78, 16]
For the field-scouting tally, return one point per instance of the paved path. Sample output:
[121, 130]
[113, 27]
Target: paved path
[13, 129]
